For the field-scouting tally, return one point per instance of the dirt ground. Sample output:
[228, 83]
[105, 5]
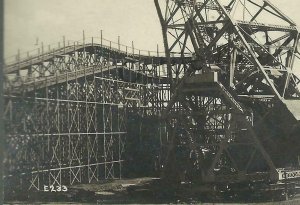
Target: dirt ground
[131, 191]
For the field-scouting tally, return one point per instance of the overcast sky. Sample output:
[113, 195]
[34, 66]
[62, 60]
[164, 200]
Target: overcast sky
[49, 20]
[133, 20]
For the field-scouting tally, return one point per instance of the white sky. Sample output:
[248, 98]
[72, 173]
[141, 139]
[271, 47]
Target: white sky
[132, 20]
[49, 20]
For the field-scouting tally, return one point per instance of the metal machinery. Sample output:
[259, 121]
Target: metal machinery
[233, 117]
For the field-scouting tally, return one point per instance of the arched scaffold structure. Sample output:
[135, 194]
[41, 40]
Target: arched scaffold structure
[70, 110]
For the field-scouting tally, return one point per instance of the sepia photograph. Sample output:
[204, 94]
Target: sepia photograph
[150, 102]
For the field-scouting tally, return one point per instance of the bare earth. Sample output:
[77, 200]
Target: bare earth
[128, 191]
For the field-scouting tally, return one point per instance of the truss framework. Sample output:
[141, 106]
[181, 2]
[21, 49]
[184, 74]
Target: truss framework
[250, 61]
[67, 116]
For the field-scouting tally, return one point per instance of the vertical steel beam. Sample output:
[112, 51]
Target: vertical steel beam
[166, 44]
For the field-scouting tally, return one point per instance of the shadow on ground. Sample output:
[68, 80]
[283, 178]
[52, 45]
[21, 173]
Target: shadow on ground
[132, 191]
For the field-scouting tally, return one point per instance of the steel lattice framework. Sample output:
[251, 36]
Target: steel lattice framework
[221, 115]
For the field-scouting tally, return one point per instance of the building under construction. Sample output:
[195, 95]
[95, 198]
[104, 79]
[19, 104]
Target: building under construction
[219, 108]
